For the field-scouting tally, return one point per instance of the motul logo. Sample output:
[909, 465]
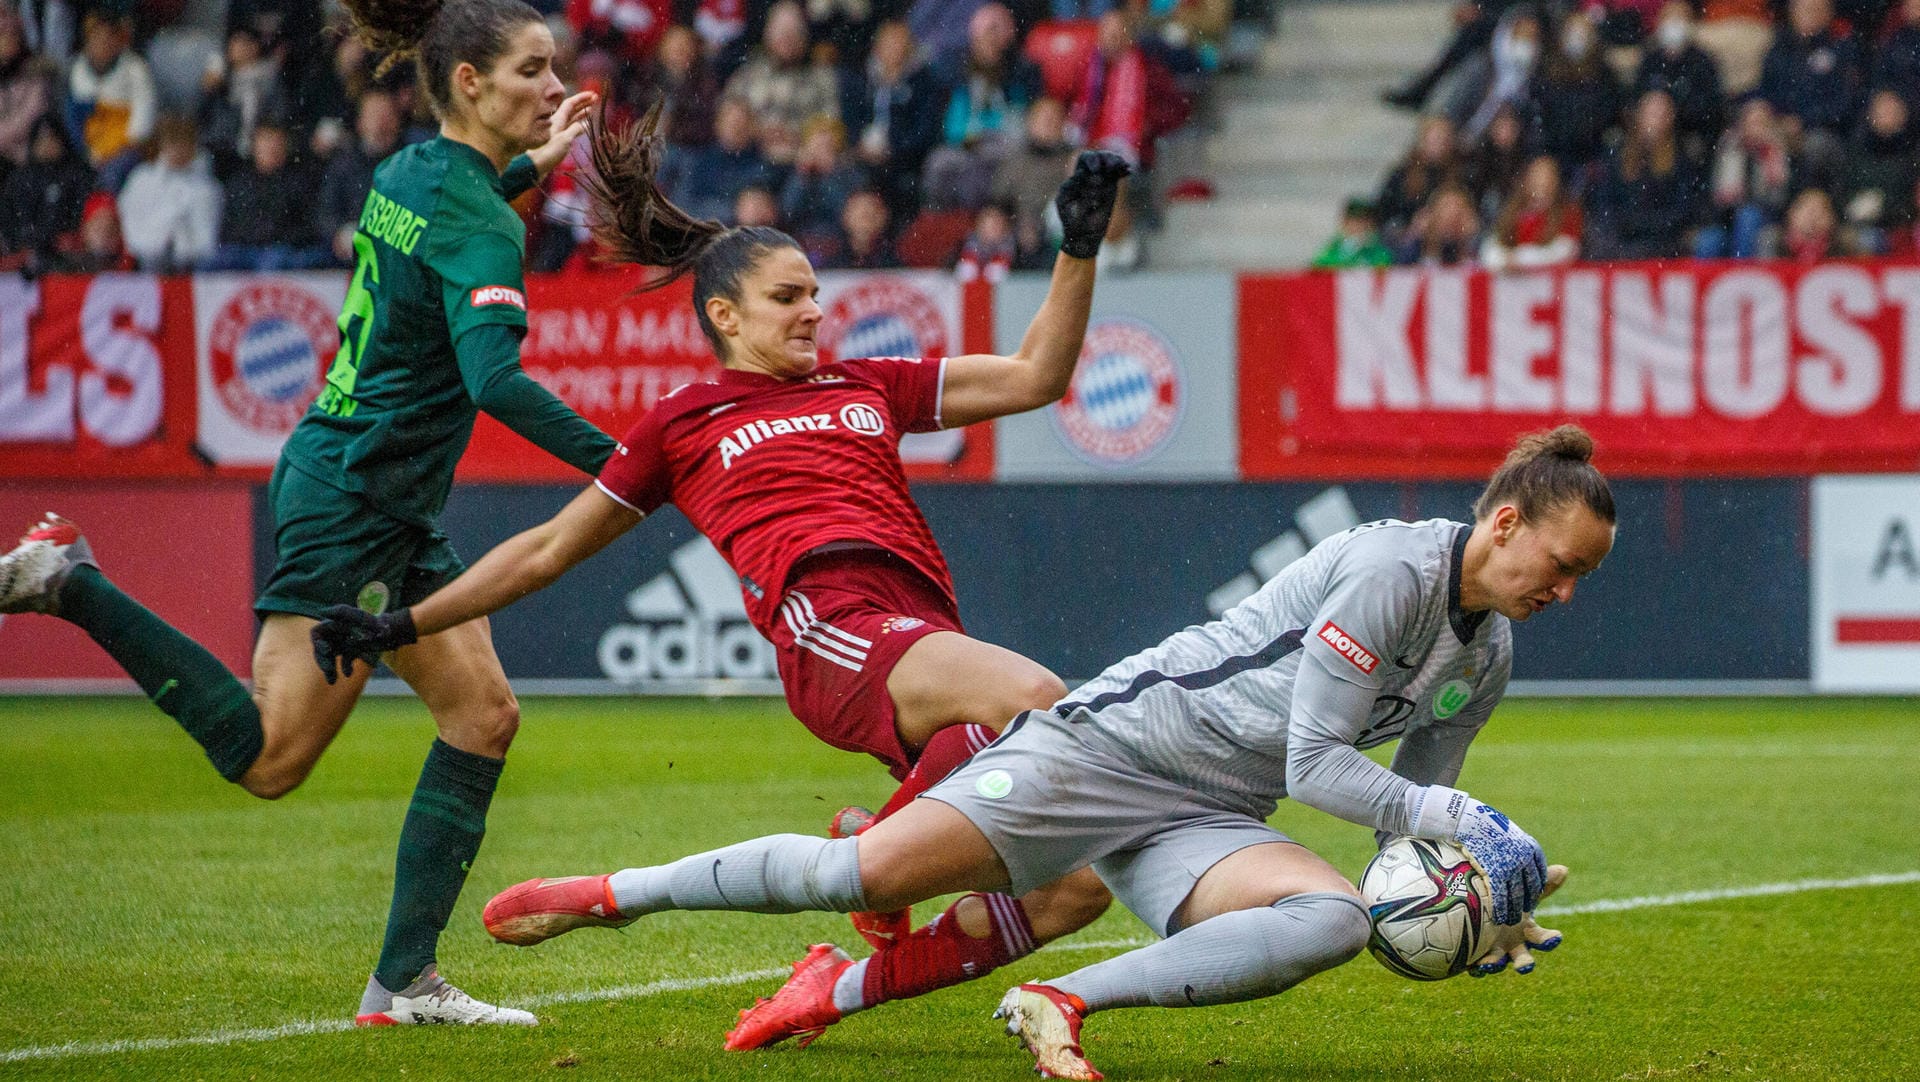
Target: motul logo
[486, 295]
[1344, 645]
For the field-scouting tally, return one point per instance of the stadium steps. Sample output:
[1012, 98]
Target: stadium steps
[1302, 132]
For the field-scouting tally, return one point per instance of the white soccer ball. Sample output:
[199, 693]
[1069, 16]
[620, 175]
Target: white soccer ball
[1429, 907]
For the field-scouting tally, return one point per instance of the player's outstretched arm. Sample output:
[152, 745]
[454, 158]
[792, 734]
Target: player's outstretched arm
[569, 123]
[980, 387]
[515, 568]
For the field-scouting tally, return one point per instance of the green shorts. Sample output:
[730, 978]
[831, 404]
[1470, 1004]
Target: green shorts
[337, 549]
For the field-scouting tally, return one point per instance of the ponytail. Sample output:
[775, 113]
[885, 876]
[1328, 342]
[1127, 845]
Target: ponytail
[439, 36]
[635, 222]
[1544, 472]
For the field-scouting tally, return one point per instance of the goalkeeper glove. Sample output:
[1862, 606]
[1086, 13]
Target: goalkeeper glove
[1515, 943]
[345, 634]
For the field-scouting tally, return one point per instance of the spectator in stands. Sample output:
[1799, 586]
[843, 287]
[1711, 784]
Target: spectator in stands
[1128, 97]
[990, 251]
[845, 28]
[1357, 243]
[1494, 165]
[1475, 22]
[1752, 178]
[101, 248]
[243, 89]
[349, 173]
[626, 30]
[268, 223]
[864, 242]
[41, 200]
[1903, 237]
[1028, 178]
[49, 28]
[892, 108]
[988, 88]
[1896, 64]
[1649, 198]
[1811, 232]
[1446, 232]
[1499, 77]
[176, 223]
[820, 182]
[1538, 227]
[704, 181]
[1575, 99]
[756, 206]
[1623, 22]
[111, 101]
[1881, 168]
[1431, 163]
[1737, 34]
[782, 85]
[681, 78]
[25, 93]
[1674, 63]
[1815, 80]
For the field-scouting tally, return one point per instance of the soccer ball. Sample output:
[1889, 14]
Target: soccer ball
[1429, 907]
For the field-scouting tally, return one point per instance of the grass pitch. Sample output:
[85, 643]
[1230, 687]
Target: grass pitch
[157, 923]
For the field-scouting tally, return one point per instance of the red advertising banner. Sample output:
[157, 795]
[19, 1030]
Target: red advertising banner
[182, 548]
[1733, 368]
[97, 377]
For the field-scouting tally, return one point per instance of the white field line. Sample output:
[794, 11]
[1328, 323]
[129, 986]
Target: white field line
[73, 1049]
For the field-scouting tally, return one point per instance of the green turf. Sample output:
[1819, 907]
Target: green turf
[144, 900]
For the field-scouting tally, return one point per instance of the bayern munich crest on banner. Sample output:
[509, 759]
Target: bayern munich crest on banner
[882, 316]
[267, 351]
[1127, 396]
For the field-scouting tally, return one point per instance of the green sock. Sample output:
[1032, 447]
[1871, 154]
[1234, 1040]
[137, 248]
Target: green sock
[178, 674]
[438, 842]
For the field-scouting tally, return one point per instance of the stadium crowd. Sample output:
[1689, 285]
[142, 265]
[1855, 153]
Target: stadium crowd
[879, 133]
[1654, 129]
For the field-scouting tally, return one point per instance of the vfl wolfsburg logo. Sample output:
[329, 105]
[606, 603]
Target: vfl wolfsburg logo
[1450, 698]
[994, 784]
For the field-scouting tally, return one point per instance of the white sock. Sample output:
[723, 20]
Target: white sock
[849, 992]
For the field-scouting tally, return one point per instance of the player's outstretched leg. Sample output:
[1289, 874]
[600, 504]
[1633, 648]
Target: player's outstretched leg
[52, 571]
[539, 909]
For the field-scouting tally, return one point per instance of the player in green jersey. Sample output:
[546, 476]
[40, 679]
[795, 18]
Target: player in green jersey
[430, 334]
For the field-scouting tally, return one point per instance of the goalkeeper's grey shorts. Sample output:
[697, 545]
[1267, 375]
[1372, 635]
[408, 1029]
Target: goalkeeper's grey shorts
[1051, 799]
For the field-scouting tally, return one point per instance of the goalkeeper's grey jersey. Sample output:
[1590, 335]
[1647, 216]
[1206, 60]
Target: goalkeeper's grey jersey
[1359, 642]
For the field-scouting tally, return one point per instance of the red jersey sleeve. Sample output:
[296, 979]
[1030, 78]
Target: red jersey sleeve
[636, 474]
[912, 386]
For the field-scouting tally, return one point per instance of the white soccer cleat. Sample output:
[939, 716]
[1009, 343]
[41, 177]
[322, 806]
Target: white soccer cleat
[32, 574]
[1047, 1021]
[431, 1001]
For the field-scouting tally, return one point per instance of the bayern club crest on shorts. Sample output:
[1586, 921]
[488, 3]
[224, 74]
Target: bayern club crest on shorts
[268, 350]
[882, 316]
[1127, 395]
[901, 623]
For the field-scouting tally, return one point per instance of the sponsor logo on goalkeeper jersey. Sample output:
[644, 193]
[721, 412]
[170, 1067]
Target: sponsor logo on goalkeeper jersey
[1348, 647]
[489, 295]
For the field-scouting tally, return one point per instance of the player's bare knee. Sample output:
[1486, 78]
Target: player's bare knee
[973, 916]
[1034, 689]
[489, 729]
[273, 779]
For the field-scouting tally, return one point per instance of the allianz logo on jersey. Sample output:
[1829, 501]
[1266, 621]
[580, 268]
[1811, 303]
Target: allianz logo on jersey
[854, 417]
[1319, 518]
[689, 624]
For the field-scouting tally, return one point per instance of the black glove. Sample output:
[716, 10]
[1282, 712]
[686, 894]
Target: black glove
[1086, 201]
[345, 633]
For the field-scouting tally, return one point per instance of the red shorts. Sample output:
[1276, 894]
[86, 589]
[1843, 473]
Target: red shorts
[844, 622]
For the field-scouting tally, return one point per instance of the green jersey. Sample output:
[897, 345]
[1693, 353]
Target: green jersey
[438, 256]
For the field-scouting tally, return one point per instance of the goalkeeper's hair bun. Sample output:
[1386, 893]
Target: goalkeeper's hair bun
[1546, 471]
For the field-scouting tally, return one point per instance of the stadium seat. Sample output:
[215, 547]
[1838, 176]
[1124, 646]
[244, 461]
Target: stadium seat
[1061, 48]
[934, 237]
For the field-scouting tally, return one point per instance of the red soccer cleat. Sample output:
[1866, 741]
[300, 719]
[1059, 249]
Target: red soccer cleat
[539, 909]
[880, 930]
[803, 1007]
[1047, 1021]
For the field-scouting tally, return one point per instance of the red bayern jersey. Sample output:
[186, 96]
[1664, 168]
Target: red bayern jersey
[770, 469]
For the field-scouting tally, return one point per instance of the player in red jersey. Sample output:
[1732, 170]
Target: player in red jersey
[792, 469]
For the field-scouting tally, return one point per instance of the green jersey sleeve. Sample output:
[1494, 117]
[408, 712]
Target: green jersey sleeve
[481, 282]
[520, 175]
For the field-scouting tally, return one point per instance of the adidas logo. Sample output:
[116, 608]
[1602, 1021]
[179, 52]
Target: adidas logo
[690, 624]
[1317, 519]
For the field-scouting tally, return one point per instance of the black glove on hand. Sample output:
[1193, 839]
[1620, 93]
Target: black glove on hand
[1086, 201]
[345, 633]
